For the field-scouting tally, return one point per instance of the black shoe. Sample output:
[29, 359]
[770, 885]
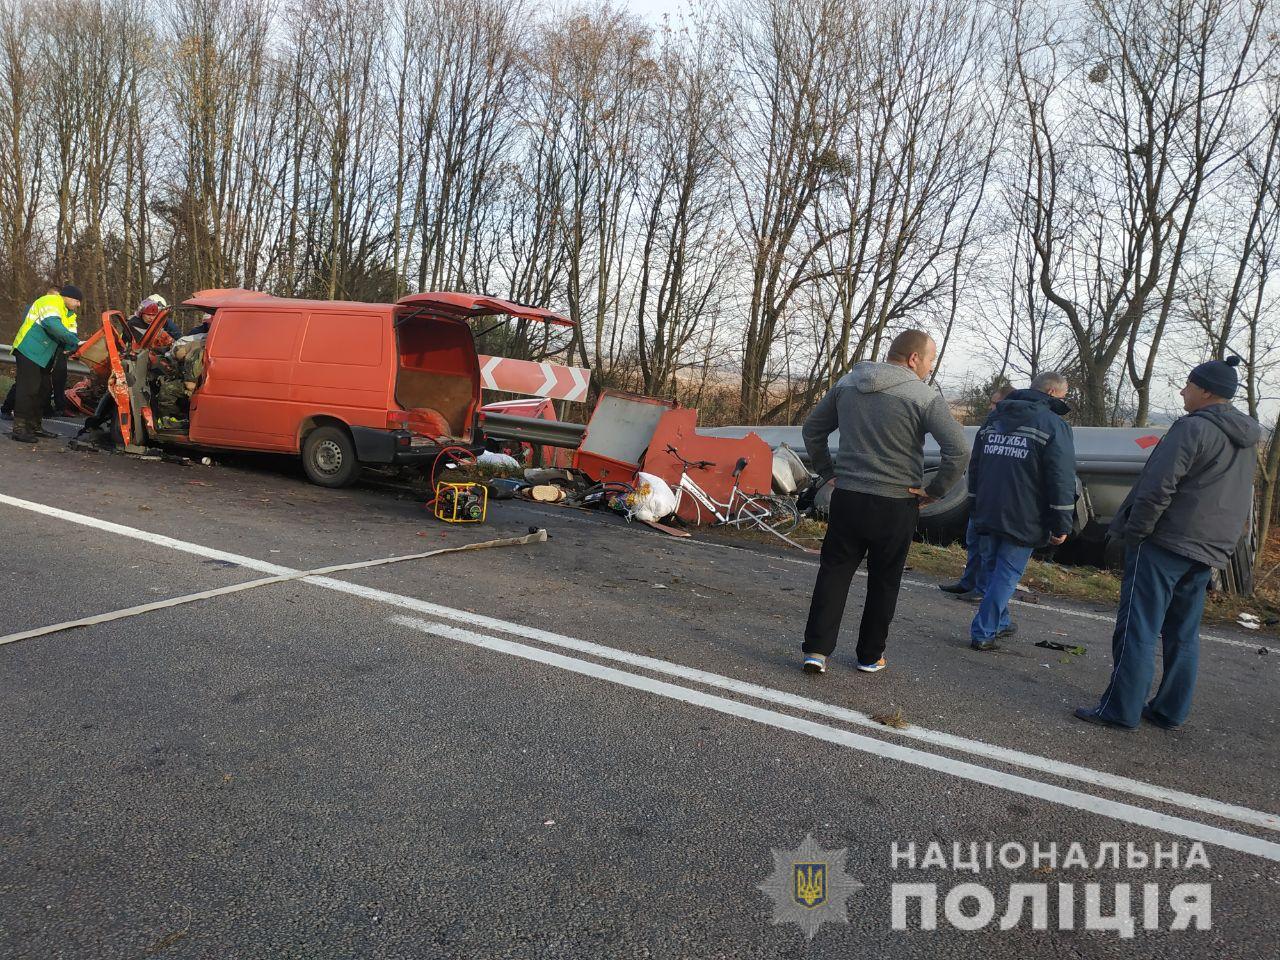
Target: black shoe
[983, 645]
[1090, 715]
[1008, 631]
[1158, 721]
[22, 437]
[956, 587]
[45, 434]
[969, 596]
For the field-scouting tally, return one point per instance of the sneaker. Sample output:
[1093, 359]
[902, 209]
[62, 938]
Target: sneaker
[873, 667]
[815, 663]
[969, 596]
[1091, 715]
[1008, 631]
[956, 587]
[1156, 720]
[984, 645]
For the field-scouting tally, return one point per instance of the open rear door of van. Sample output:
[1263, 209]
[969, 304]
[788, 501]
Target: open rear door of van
[467, 305]
[438, 380]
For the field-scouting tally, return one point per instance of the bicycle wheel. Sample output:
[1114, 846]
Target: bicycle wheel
[777, 514]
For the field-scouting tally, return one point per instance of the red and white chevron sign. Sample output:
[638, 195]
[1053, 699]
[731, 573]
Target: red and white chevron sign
[544, 379]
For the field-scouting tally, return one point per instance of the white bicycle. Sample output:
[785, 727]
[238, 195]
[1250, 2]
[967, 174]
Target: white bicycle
[777, 515]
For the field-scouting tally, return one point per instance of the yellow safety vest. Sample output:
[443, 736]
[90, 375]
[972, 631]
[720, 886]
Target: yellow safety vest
[51, 305]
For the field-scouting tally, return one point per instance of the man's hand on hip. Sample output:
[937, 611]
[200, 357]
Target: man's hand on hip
[923, 498]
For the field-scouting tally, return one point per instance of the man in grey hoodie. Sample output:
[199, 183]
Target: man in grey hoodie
[1182, 519]
[883, 411]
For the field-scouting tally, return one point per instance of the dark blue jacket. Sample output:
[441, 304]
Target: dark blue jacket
[1022, 472]
[1195, 493]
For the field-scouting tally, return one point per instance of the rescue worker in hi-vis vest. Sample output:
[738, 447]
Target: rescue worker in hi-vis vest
[48, 331]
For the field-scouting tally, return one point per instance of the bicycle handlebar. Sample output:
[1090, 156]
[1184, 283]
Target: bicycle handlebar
[689, 464]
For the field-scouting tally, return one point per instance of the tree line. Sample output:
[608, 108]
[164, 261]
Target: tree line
[735, 206]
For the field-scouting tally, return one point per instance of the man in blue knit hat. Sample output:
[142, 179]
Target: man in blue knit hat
[1181, 520]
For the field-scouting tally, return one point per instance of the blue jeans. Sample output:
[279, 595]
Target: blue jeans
[972, 579]
[1162, 595]
[1003, 563]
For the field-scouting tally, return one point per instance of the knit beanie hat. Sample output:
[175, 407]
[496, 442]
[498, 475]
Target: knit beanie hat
[1217, 376]
[71, 292]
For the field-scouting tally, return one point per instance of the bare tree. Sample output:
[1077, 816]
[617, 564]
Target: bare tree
[793, 98]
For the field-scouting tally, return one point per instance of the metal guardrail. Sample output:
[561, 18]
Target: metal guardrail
[73, 366]
[551, 433]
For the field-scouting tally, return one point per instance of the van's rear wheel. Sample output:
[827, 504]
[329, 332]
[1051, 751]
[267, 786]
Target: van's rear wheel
[329, 457]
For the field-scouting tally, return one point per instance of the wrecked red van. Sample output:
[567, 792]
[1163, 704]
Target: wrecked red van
[342, 384]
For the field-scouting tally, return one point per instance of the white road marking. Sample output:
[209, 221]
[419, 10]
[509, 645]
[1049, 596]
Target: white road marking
[92, 621]
[1124, 812]
[936, 738]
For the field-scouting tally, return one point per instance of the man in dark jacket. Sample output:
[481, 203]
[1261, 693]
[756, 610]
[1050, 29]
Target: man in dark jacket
[971, 584]
[1182, 519]
[883, 411]
[1022, 481]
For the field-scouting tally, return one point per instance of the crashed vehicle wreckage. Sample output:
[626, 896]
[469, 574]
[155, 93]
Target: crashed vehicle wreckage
[350, 385]
[342, 385]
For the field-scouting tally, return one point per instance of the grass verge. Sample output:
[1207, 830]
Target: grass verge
[1083, 583]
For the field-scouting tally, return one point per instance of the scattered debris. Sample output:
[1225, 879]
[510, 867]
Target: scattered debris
[547, 493]
[536, 475]
[663, 528]
[1249, 621]
[895, 719]
[504, 488]
[505, 461]
[1074, 649]
[165, 942]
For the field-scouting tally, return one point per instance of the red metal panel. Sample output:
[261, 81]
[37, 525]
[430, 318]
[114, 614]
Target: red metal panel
[454, 303]
[617, 435]
[677, 428]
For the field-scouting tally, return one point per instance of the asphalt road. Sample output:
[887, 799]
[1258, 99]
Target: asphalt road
[587, 747]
